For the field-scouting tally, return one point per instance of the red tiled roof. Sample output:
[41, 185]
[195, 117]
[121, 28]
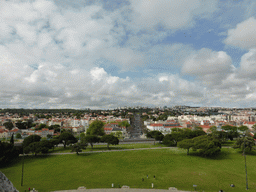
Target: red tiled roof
[205, 126]
[250, 123]
[172, 126]
[14, 130]
[156, 125]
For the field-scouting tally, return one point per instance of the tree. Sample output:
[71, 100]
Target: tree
[12, 140]
[82, 135]
[41, 126]
[54, 142]
[56, 130]
[254, 128]
[198, 128]
[54, 126]
[31, 139]
[186, 144]
[177, 130]
[173, 138]
[157, 135]
[21, 125]
[67, 138]
[38, 147]
[124, 124]
[8, 152]
[213, 130]
[188, 133]
[110, 139]
[231, 130]
[243, 128]
[197, 132]
[8, 125]
[78, 147]
[91, 139]
[177, 136]
[49, 136]
[119, 134]
[18, 136]
[32, 147]
[45, 145]
[207, 145]
[247, 142]
[168, 140]
[96, 128]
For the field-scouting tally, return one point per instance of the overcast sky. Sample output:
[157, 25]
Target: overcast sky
[108, 53]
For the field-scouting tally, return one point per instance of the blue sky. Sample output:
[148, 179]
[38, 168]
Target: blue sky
[109, 53]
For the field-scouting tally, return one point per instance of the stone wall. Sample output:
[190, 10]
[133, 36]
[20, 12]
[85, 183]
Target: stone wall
[6, 185]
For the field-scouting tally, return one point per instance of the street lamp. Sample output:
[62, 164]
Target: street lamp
[22, 166]
[195, 187]
[245, 164]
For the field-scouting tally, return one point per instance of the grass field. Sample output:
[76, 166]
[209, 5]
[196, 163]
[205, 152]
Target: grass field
[172, 168]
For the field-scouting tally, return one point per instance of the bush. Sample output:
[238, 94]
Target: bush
[18, 136]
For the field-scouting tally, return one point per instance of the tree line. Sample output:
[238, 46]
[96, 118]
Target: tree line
[35, 144]
[205, 144]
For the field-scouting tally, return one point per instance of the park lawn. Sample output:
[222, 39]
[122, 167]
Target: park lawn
[112, 147]
[172, 168]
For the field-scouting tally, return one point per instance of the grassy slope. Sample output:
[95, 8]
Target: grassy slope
[171, 167]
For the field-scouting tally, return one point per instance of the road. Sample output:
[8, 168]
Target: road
[136, 130]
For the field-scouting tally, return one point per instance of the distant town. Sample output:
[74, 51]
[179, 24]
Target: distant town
[50, 122]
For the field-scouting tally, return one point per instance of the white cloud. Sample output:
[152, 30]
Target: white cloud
[248, 65]
[126, 57]
[44, 7]
[58, 56]
[243, 35]
[172, 14]
[209, 66]
[98, 73]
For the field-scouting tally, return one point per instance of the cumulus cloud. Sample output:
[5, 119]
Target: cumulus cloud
[248, 65]
[173, 14]
[243, 35]
[209, 66]
[54, 56]
[221, 81]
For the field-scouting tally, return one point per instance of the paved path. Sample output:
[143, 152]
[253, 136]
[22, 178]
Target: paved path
[122, 190]
[113, 150]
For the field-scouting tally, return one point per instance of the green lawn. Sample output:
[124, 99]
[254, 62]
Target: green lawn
[172, 168]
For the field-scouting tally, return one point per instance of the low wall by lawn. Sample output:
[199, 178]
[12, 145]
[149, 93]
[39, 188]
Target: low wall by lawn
[6, 185]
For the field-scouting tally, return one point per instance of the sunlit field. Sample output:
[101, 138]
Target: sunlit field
[171, 167]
